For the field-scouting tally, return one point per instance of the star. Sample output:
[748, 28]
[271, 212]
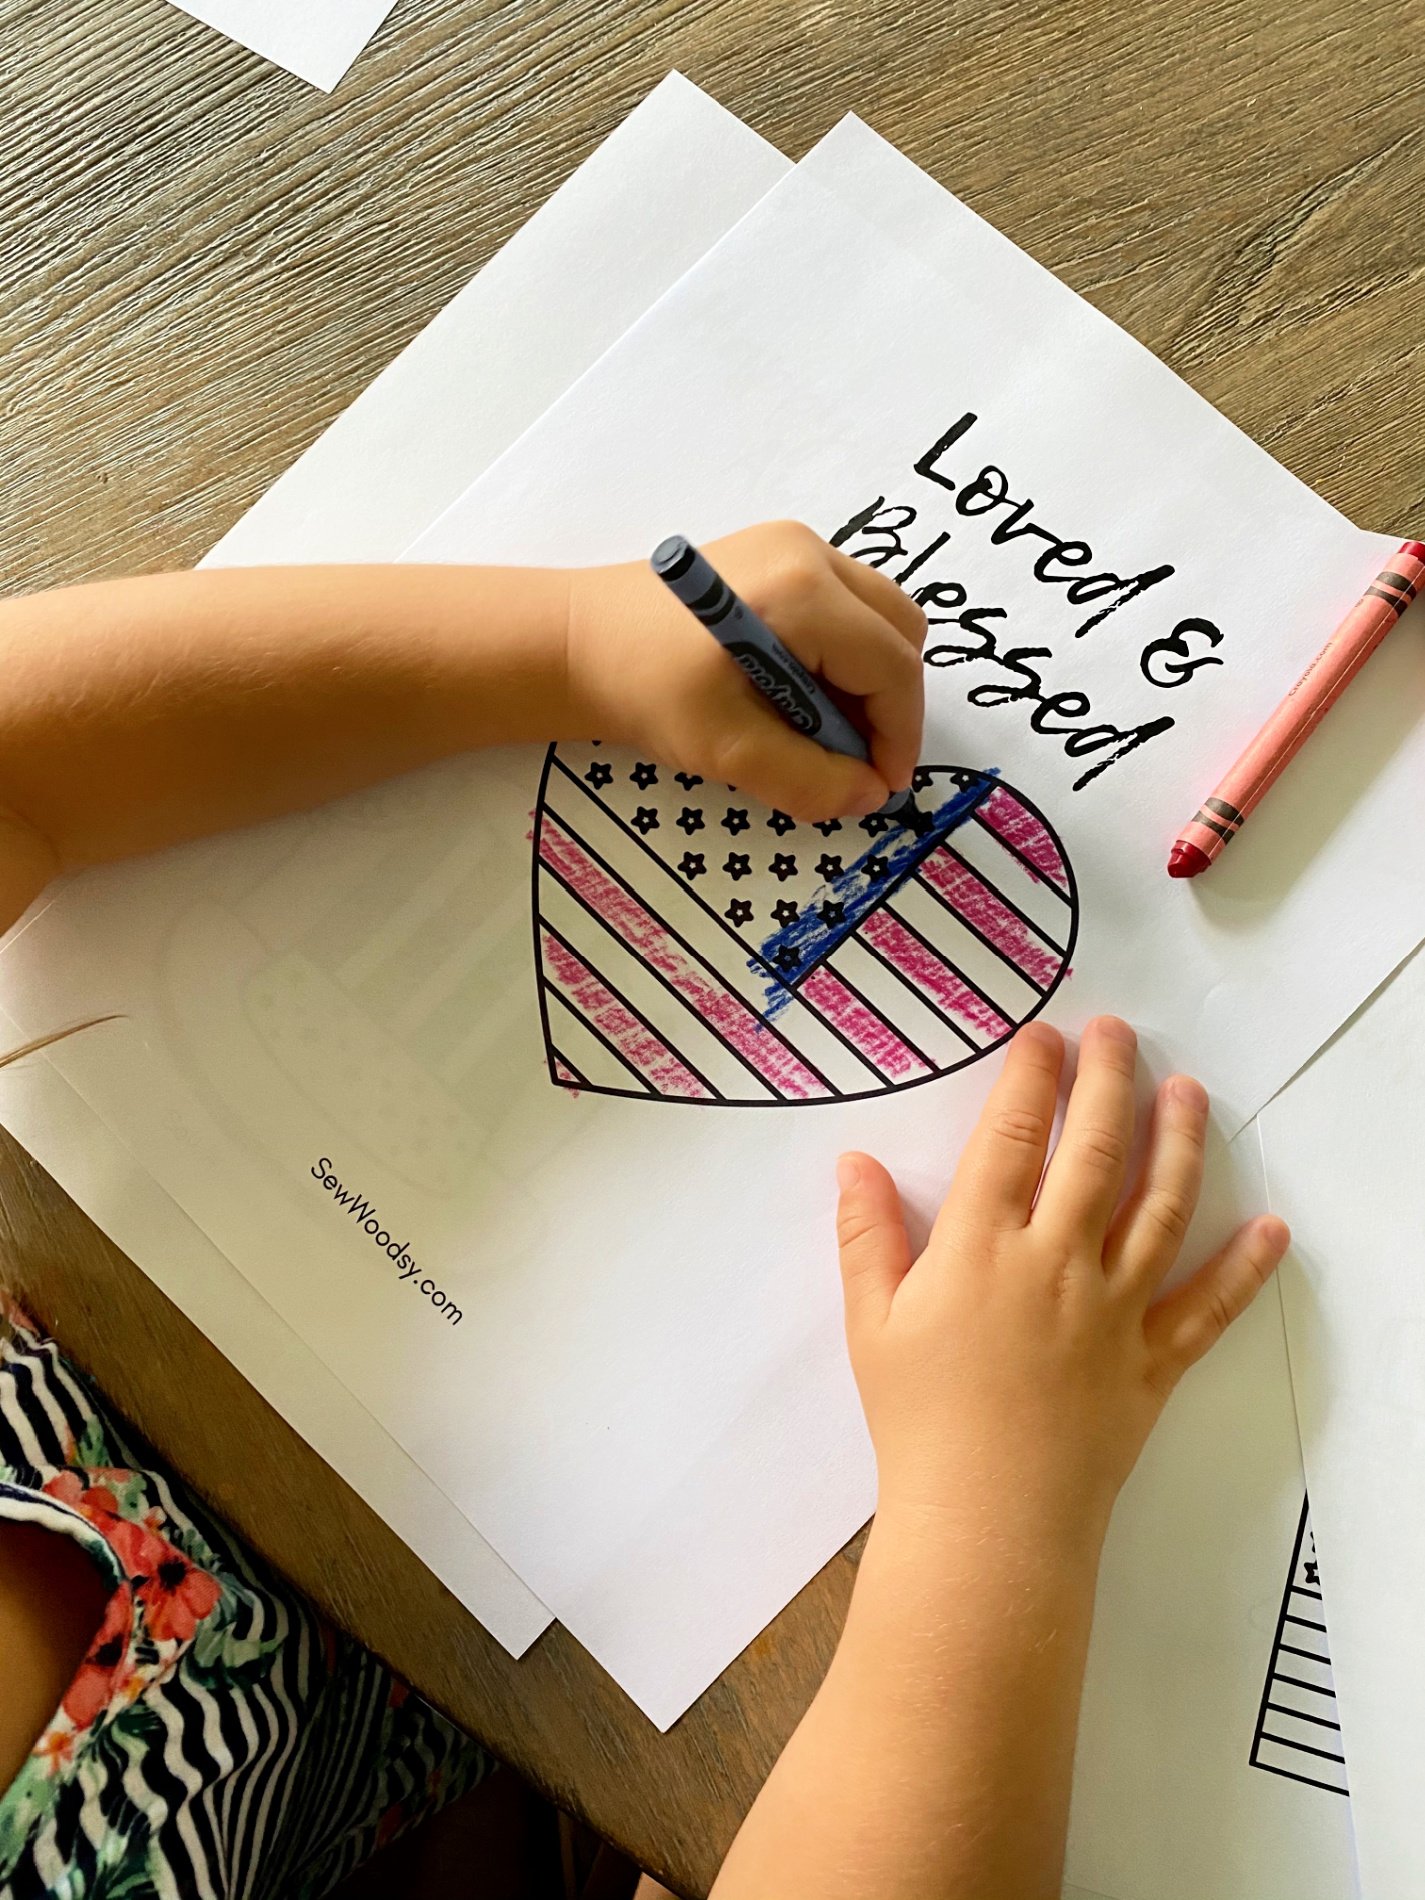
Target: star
[687, 780]
[785, 911]
[781, 823]
[828, 825]
[691, 864]
[734, 821]
[645, 819]
[738, 865]
[876, 868]
[786, 959]
[782, 867]
[643, 776]
[600, 774]
[920, 779]
[739, 911]
[875, 824]
[828, 867]
[691, 820]
[832, 913]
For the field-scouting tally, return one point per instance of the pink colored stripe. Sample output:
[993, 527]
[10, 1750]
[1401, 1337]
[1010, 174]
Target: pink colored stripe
[981, 906]
[723, 1012]
[863, 1027]
[634, 1040]
[925, 970]
[566, 1075]
[1008, 819]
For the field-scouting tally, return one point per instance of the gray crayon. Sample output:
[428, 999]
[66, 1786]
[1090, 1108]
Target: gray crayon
[777, 674]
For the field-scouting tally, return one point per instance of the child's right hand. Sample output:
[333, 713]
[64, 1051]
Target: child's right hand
[1019, 1364]
[644, 672]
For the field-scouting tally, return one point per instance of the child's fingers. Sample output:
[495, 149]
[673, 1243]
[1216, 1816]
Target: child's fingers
[1085, 1176]
[1191, 1320]
[1149, 1228]
[870, 1231]
[858, 651]
[1003, 1160]
[881, 594]
[751, 746]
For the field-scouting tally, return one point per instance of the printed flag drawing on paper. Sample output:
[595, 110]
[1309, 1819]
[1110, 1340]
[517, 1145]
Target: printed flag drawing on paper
[694, 946]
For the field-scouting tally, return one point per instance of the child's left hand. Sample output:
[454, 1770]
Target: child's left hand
[642, 671]
[1022, 1360]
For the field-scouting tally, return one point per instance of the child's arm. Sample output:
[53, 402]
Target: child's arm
[1010, 1376]
[137, 713]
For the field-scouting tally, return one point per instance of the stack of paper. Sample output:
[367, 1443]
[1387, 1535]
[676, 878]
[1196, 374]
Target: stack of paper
[430, 1006]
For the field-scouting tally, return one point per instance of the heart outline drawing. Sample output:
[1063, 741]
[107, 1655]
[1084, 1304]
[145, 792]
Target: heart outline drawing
[692, 947]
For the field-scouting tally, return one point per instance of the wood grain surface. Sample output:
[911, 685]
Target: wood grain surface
[202, 261]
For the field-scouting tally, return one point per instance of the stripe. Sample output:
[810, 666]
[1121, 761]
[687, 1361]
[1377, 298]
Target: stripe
[985, 912]
[708, 937]
[1307, 1781]
[866, 973]
[1225, 832]
[712, 601]
[926, 973]
[650, 994]
[630, 1079]
[566, 1071]
[1001, 983]
[1300, 1715]
[1026, 836]
[1230, 812]
[702, 990]
[1398, 607]
[26, 1452]
[930, 972]
[1398, 581]
[1311, 1655]
[619, 1023]
[864, 1026]
[1306, 1748]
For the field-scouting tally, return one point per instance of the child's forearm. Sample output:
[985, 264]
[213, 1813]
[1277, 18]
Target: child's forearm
[935, 1762]
[139, 712]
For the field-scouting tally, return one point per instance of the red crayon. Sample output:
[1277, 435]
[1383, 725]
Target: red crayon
[1220, 817]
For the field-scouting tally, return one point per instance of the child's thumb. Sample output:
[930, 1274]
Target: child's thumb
[870, 1230]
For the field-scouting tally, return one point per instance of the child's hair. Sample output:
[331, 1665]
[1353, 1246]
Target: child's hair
[33, 1048]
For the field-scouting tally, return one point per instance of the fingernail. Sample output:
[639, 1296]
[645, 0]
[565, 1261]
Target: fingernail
[848, 1173]
[1115, 1029]
[1187, 1090]
[866, 802]
[1273, 1233]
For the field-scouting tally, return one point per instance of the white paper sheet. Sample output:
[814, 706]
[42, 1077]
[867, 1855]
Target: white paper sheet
[1343, 1147]
[1168, 1804]
[43, 1113]
[480, 372]
[642, 208]
[317, 40]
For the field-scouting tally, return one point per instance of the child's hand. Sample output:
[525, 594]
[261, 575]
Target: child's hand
[1019, 1365]
[642, 671]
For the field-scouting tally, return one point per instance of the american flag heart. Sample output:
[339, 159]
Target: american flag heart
[694, 946]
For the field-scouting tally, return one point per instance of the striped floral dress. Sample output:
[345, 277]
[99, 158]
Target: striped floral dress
[219, 1740]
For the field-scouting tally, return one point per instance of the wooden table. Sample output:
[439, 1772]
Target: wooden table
[202, 261]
